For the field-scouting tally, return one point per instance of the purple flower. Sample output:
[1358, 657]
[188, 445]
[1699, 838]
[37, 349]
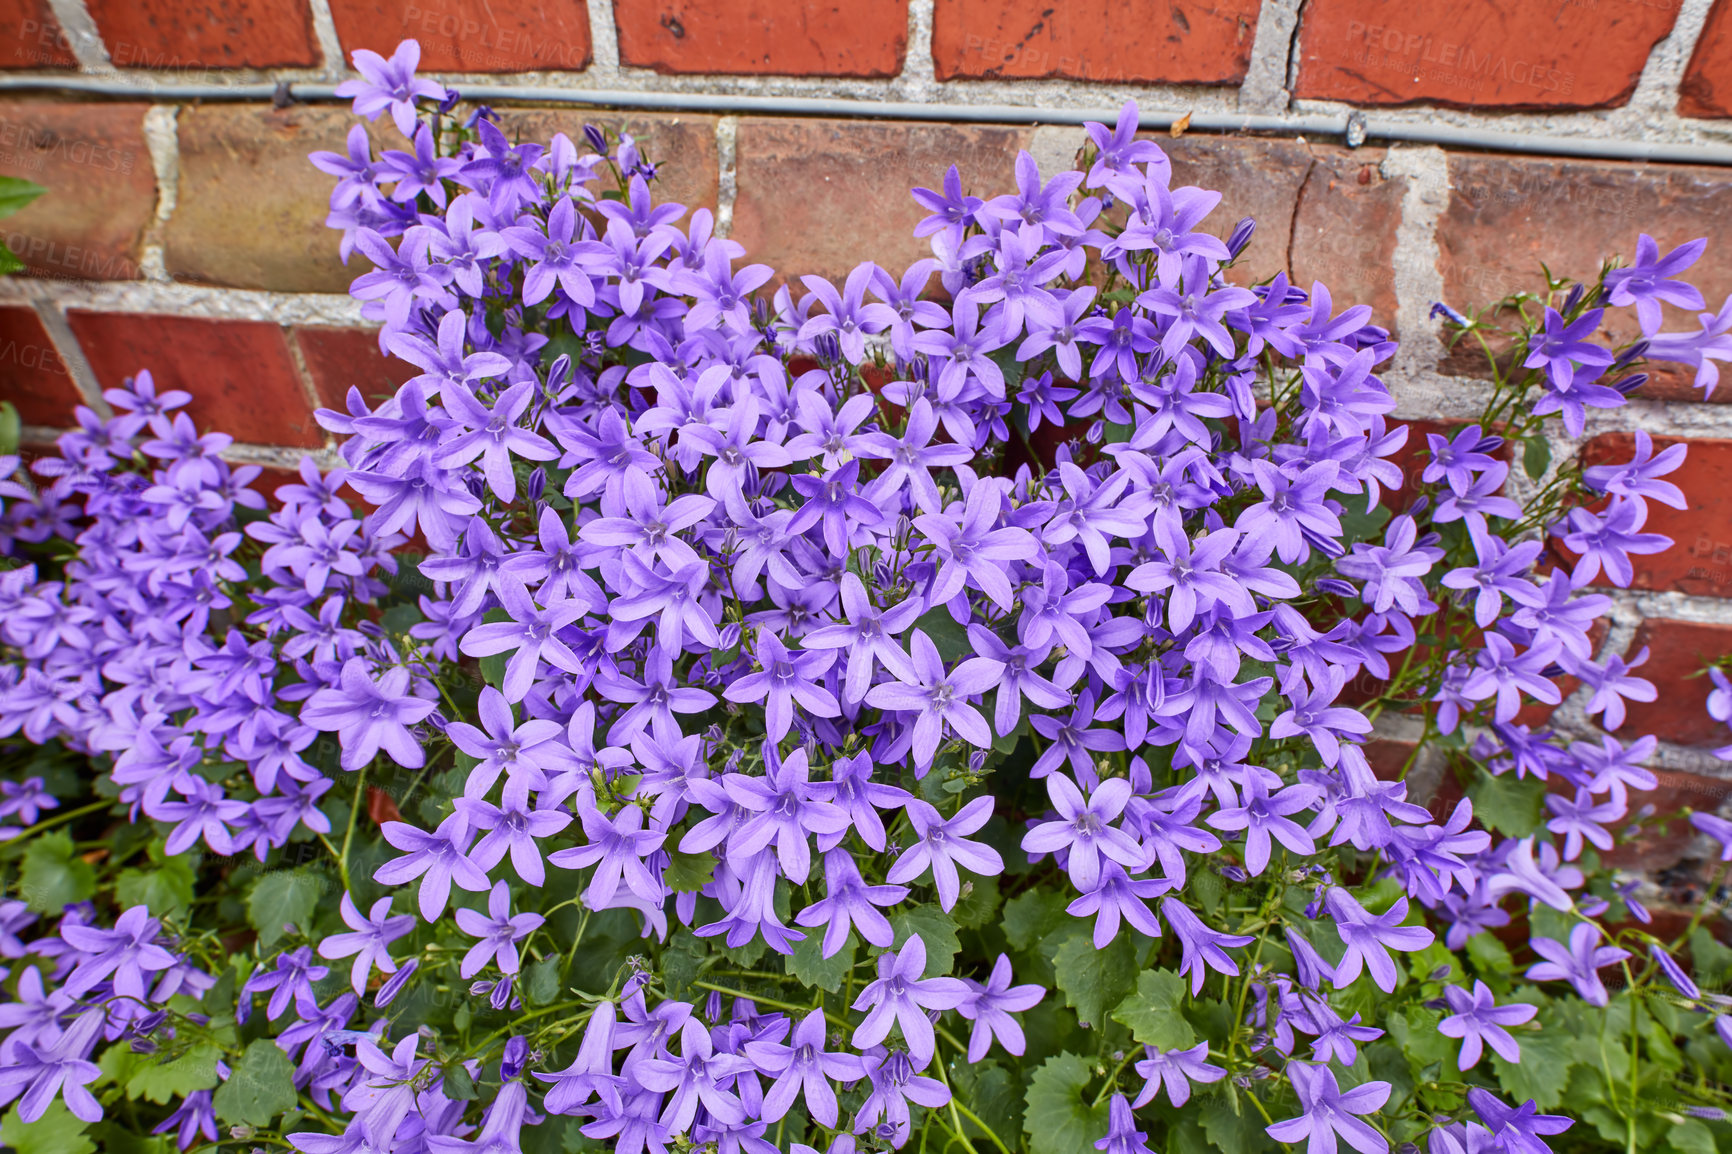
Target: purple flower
[1176, 1070]
[61, 1067]
[849, 902]
[1368, 938]
[1476, 1017]
[617, 847]
[1326, 1112]
[804, 1068]
[123, 955]
[1201, 946]
[1649, 282]
[369, 715]
[1577, 963]
[942, 845]
[699, 1074]
[1563, 346]
[1085, 831]
[1517, 1131]
[901, 996]
[370, 942]
[390, 85]
[499, 932]
[785, 677]
[436, 858]
[531, 637]
[989, 1007]
[938, 698]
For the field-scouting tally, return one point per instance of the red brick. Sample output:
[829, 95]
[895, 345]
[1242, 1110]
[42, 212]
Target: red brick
[764, 37]
[240, 374]
[1707, 86]
[337, 359]
[32, 375]
[1700, 559]
[820, 196]
[1477, 53]
[250, 210]
[1677, 651]
[32, 36]
[177, 36]
[1508, 215]
[1256, 177]
[102, 189]
[1104, 41]
[1665, 837]
[1344, 228]
[471, 35]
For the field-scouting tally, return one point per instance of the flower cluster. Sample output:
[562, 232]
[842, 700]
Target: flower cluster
[771, 704]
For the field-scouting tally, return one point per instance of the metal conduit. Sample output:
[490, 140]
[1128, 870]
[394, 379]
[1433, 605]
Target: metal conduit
[1353, 128]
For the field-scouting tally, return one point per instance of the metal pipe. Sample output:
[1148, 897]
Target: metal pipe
[1352, 128]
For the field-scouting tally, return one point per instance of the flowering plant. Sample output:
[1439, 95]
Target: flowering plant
[895, 715]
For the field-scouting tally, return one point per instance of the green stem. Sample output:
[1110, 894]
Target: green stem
[47, 823]
[349, 833]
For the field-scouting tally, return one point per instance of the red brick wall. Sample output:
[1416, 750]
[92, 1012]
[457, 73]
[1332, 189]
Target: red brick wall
[187, 236]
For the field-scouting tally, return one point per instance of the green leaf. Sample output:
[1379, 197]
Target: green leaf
[163, 1082]
[1415, 1031]
[936, 929]
[1691, 1137]
[1095, 980]
[1508, 804]
[166, 890]
[1240, 1132]
[458, 1083]
[808, 965]
[687, 873]
[1060, 1118]
[1155, 1011]
[56, 1132]
[11, 428]
[1489, 955]
[1032, 916]
[54, 876]
[9, 262]
[541, 981]
[1536, 455]
[950, 638]
[978, 903]
[261, 1087]
[16, 193]
[1544, 1069]
[283, 897]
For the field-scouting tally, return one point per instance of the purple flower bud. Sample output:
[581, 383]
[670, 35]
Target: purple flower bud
[1234, 873]
[395, 983]
[537, 484]
[1630, 383]
[1440, 973]
[516, 1051]
[1573, 299]
[1337, 587]
[1241, 236]
[1439, 309]
[502, 995]
[597, 140]
[1629, 357]
[482, 112]
[452, 96]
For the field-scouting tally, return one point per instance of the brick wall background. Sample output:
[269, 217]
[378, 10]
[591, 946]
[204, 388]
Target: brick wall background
[184, 231]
